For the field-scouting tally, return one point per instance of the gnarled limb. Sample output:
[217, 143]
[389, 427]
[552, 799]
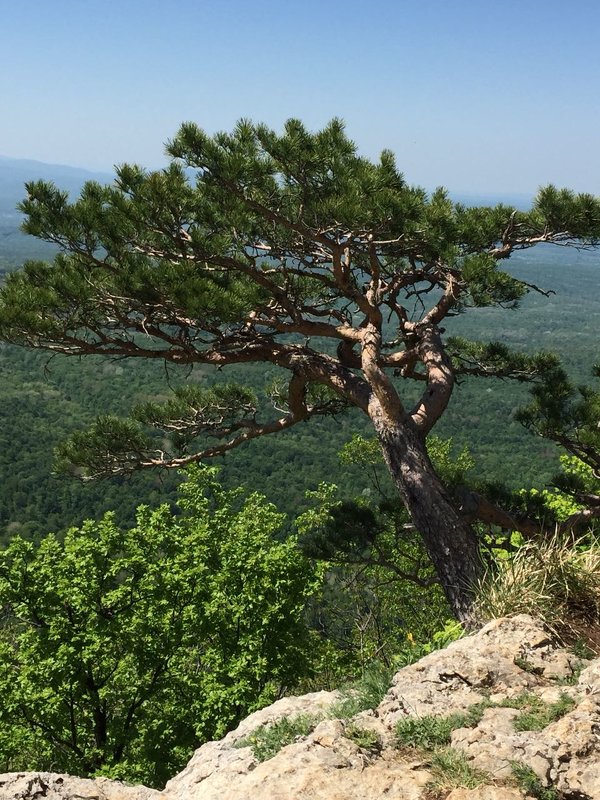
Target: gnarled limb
[477, 508]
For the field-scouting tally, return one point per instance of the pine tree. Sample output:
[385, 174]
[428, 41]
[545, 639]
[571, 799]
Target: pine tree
[289, 250]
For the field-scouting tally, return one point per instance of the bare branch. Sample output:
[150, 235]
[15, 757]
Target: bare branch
[478, 508]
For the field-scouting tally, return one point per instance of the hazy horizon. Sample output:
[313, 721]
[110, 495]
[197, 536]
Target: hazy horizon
[82, 172]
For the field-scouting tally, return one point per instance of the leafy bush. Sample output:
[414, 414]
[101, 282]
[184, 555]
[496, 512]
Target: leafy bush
[415, 649]
[122, 650]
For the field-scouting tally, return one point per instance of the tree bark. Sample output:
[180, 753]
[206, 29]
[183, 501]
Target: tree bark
[450, 541]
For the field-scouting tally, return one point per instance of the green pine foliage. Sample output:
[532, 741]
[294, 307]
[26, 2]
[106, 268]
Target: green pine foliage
[567, 414]
[159, 266]
[125, 644]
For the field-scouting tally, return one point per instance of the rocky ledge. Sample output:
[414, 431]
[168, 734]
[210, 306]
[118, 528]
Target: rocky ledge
[505, 713]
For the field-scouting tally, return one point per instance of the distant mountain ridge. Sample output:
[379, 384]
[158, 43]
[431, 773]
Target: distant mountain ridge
[16, 247]
[31, 163]
[15, 172]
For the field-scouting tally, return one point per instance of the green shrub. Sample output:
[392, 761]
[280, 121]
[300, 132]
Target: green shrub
[122, 650]
[414, 649]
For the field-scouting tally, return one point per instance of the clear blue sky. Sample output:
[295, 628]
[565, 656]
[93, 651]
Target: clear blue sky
[479, 96]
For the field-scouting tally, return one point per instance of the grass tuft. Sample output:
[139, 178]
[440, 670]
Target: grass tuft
[539, 715]
[365, 693]
[530, 784]
[268, 740]
[451, 770]
[428, 732]
[363, 737]
[526, 665]
[554, 579]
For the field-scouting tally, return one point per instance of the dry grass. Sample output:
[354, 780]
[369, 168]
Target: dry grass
[556, 579]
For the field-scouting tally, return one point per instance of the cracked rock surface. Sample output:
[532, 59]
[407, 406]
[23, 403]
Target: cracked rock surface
[52, 786]
[509, 667]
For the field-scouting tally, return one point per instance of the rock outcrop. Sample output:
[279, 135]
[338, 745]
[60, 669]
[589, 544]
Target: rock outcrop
[52, 786]
[526, 718]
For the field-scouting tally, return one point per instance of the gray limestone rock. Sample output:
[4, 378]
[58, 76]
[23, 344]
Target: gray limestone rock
[511, 663]
[52, 786]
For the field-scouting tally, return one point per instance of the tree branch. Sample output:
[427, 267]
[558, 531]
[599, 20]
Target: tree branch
[477, 508]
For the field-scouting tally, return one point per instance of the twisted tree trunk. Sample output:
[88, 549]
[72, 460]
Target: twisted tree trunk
[450, 541]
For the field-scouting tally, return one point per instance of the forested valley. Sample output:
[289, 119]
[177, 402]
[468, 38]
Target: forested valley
[214, 592]
[44, 399]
